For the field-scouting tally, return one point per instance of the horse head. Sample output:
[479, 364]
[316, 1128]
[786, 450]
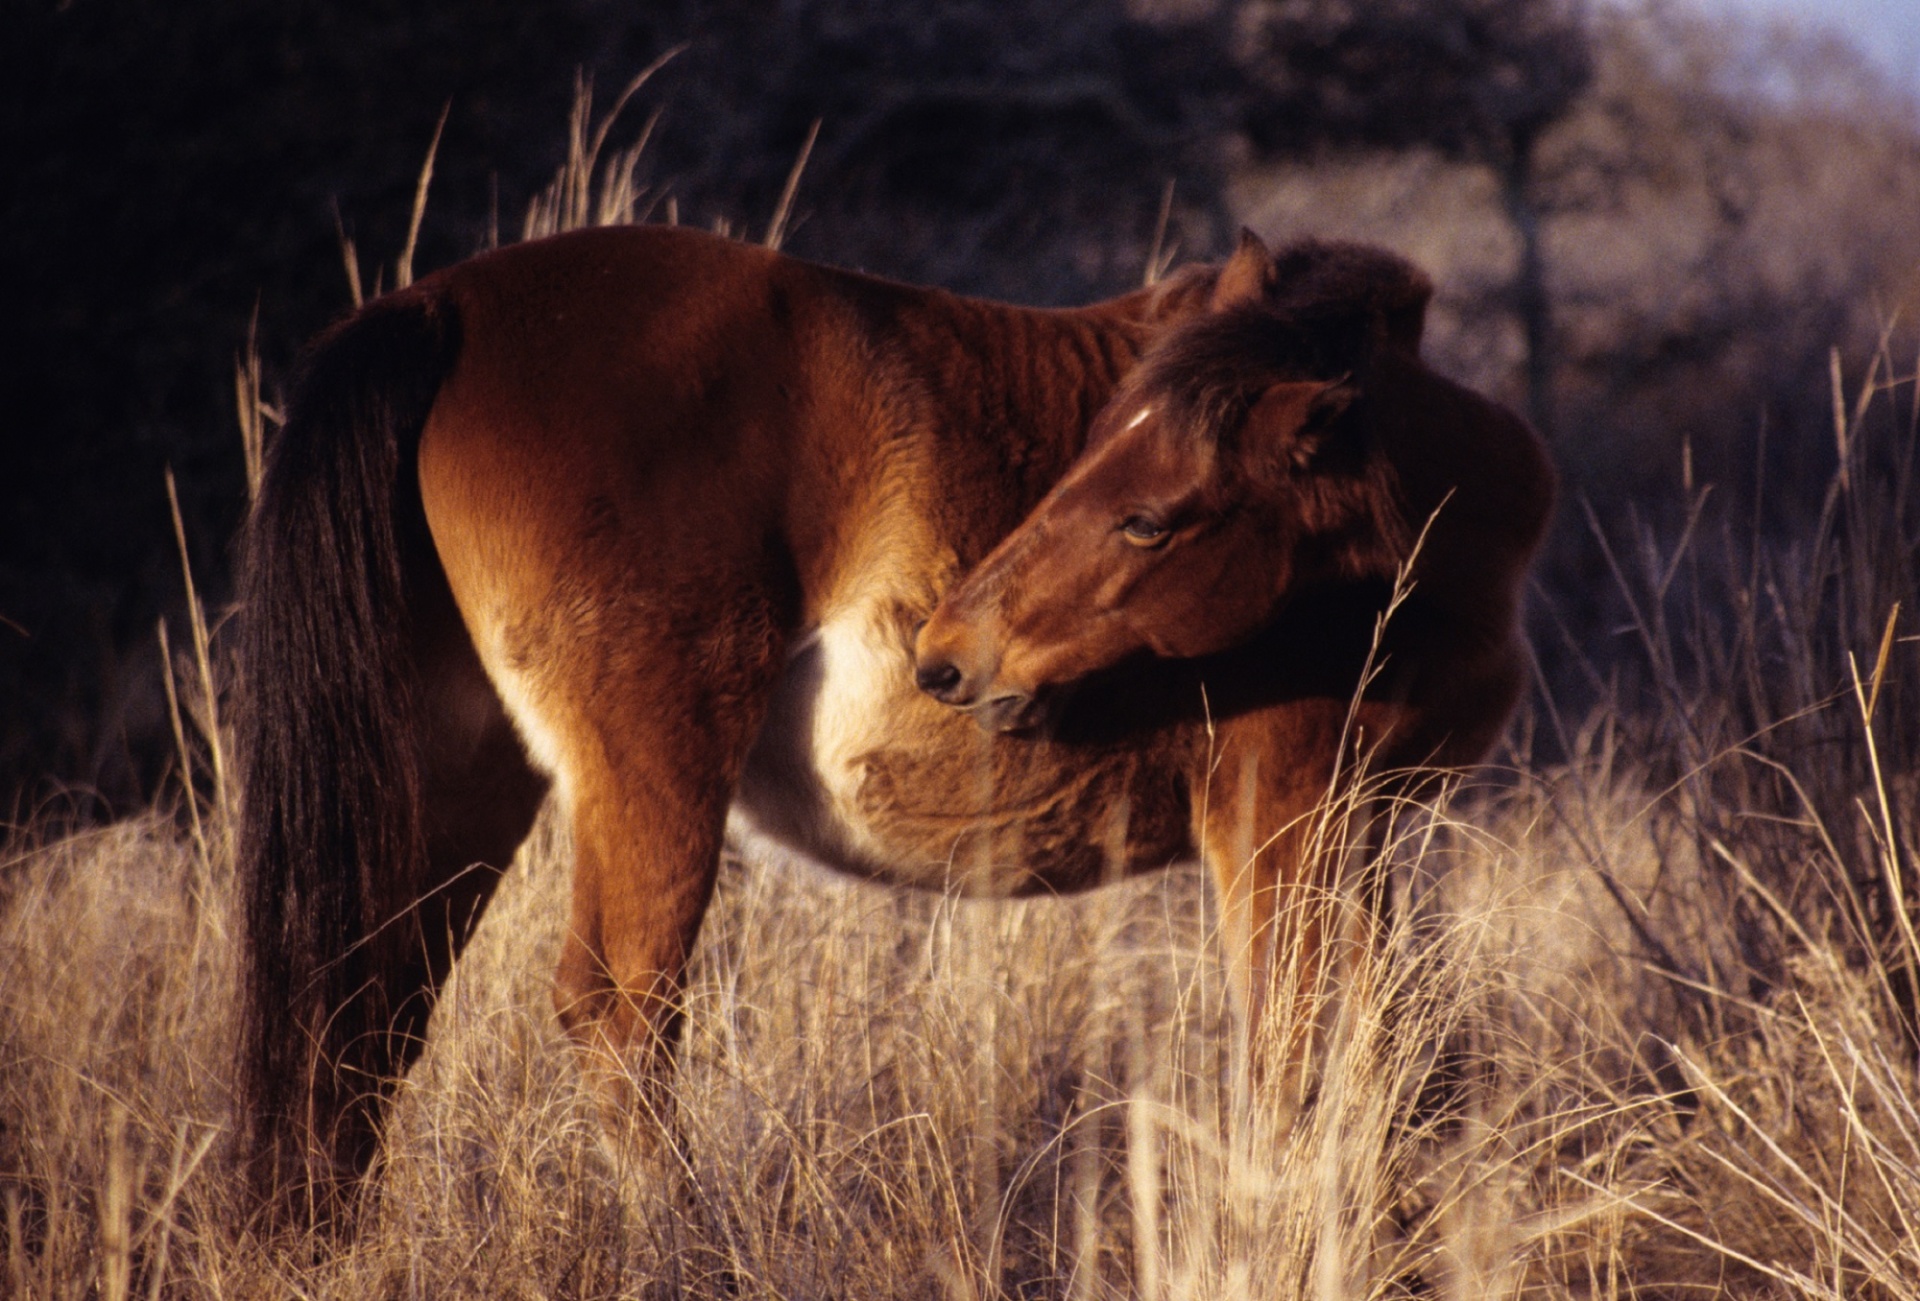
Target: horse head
[1237, 463]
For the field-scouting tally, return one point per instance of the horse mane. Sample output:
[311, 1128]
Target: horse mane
[1330, 306]
[1334, 278]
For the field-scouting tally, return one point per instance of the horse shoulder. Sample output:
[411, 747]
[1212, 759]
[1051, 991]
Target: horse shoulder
[1475, 485]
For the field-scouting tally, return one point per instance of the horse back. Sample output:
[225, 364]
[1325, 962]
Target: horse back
[727, 391]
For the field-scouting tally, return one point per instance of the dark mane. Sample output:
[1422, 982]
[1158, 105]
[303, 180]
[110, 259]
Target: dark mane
[1330, 304]
[1324, 280]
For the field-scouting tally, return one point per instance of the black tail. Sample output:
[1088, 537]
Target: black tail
[331, 828]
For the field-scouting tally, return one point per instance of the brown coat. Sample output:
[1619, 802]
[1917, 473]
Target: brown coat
[655, 518]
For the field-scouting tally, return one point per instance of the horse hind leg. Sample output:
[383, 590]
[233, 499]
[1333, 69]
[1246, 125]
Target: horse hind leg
[645, 860]
[651, 760]
[479, 796]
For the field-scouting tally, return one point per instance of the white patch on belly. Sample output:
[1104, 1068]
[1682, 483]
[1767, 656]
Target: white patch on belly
[847, 689]
[1140, 416]
[863, 674]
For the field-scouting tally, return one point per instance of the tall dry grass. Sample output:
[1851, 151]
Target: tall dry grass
[881, 1094]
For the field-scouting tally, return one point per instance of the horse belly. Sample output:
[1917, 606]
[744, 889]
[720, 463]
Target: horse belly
[858, 770]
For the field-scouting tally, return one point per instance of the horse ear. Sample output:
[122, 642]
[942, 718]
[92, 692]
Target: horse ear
[1293, 420]
[1247, 276]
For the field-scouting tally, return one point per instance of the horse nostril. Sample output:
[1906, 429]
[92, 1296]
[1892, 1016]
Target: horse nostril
[938, 679]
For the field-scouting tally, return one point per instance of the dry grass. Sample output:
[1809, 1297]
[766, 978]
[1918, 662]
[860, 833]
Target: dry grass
[887, 1095]
[882, 1095]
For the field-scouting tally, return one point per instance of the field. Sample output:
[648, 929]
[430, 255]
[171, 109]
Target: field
[1645, 1027]
[1647, 1023]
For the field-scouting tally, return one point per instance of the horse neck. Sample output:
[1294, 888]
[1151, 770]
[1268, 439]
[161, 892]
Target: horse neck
[1475, 477]
[1018, 388]
[939, 421]
[931, 426]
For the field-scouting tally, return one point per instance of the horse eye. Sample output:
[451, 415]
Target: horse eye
[1143, 531]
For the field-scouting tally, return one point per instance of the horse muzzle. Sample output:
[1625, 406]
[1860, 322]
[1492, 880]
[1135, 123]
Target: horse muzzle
[975, 693]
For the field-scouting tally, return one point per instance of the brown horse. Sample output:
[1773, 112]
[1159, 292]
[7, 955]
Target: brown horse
[653, 519]
[1273, 475]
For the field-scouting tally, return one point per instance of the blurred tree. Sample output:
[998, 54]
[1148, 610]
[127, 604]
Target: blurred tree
[1477, 80]
[1016, 148]
[1742, 202]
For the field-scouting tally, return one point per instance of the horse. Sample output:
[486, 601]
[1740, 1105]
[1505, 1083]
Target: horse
[692, 536]
[1328, 539]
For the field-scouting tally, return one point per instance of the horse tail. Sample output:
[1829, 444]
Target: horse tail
[331, 826]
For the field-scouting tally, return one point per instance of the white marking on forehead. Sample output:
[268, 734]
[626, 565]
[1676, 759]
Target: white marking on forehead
[1139, 416]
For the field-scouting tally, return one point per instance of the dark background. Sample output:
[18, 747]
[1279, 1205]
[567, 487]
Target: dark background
[180, 171]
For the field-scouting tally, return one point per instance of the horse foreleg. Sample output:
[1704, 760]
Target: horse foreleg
[1283, 841]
